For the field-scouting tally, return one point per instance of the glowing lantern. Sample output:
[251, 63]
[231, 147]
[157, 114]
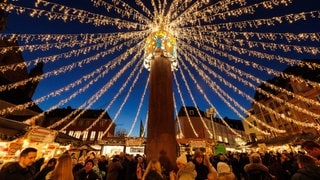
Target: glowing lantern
[160, 43]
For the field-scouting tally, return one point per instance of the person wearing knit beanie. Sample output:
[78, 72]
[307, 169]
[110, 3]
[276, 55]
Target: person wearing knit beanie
[186, 170]
[225, 172]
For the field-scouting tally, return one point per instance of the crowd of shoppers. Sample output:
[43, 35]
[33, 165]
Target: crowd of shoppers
[198, 166]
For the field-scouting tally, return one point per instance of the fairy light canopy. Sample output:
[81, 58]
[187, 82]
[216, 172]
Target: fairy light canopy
[226, 50]
[161, 43]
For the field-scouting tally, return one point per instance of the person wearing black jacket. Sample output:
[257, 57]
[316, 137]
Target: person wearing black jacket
[20, 170]
[87, 173]
[308, 170]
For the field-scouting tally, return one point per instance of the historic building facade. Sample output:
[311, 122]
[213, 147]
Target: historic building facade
[83, 127]
[287, 111]
[193, 124]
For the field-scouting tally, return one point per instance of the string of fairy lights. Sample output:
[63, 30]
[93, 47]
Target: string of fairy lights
[206, 38]
[139, 108]
[228, 84]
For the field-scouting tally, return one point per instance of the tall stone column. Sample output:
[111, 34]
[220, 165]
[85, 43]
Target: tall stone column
[161, 140]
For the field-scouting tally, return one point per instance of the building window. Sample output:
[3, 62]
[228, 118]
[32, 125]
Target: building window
[77, 134]
[92, 135]
[100, 135]
[70, 133]
[191, 112]
[220, 138]
[226, 140]
[102, 123]
[85, 135]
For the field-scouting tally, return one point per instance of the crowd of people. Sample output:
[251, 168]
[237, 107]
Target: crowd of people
[198, 166]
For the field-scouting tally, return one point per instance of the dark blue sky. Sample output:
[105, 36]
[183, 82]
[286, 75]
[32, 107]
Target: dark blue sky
[24, 24]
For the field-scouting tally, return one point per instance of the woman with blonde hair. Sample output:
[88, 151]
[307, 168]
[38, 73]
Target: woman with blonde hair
[63, 169]
[153, 171]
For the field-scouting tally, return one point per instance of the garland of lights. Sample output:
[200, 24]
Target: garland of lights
[62, 69]
[206, 98]
[195, 104]
[139, 107]
[183, 15]
[86, 105]
[180, 135]
[125, 99]
[125, 10]
[214, 87]
[124, 85]
[184, 105]
[260, 67]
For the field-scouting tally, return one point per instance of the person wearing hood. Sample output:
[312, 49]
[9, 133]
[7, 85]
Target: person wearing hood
[225, 172]
[256, 170]
[186, 170]
[308, 170]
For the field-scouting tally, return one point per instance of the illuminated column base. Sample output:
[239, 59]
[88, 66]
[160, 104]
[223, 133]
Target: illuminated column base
[161, 139]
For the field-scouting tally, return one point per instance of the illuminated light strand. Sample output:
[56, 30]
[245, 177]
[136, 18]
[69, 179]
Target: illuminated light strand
[193, 100]
[297, 108]
[272, 36]
[144, 8]
[123, 103]
[289, 61]
[145, 124]
[215, 86]
[181, 135]
[290, 18]
[125, 11]
[139, 107]
[241, 73]
[124, 85]
[52, 58]
[256, 79]
[86, 105]
[155, 10]
[69, 44]
[228, 84]
[268, 57]
[82, 17]
[70, 53]
[221, 79]
[95, 97]
[184, 105]
[108, 66]
[272, 46]
[42, 47]
[201, 15]
[240, 50]
[86, 37]
[62, 69]
[52, 94]
[201, 91]
[185, 9]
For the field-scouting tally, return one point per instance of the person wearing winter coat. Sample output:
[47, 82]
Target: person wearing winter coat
[87, 173]
[256, 170]
[186, 170]
[308, 170]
